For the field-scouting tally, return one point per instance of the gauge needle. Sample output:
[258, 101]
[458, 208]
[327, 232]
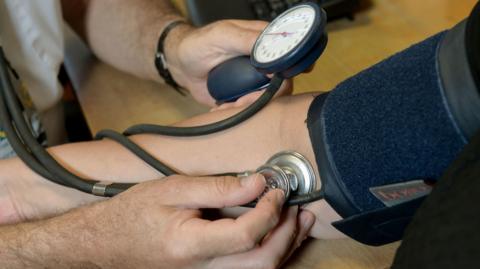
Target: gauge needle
[284, 34]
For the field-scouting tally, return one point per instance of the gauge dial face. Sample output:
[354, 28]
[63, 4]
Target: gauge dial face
[284, 34]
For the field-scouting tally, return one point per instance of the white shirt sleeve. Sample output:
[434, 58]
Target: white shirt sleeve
[31, 33]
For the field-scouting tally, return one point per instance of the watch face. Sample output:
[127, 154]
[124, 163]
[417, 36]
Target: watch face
[284, 34]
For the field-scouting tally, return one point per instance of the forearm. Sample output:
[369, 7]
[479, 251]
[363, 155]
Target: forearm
[280, 126]
[61, 242]
[122, 33]
[108, 161]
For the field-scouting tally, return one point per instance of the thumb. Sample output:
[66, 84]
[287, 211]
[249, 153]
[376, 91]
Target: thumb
[211, 192]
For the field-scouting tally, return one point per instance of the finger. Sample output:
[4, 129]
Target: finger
[285, 89]
[229, 236]
[306, 220]
[280, 242]
[272, 251]
[305, 223]
[224, 106]
[211, 192]
[247, 99]
[240, 102]
[241, 39]
[325, 216]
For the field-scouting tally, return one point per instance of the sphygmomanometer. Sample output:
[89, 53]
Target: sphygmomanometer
[289, 45]
[381, 138]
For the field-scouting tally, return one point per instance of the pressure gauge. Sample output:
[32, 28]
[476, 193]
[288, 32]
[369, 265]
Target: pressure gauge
[294, 38]
[289, 45]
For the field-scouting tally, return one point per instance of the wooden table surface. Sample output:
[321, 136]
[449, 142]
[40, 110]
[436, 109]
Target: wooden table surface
[112, 99]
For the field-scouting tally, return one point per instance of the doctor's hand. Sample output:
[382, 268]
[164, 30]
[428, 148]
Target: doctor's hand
[191, 53]
[158, 224]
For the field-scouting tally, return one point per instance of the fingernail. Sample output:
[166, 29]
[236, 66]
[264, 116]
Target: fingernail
[280, 195]
[249, 181]
[307, 219]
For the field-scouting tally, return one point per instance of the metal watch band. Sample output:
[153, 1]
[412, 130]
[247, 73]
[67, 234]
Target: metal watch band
[160, 59]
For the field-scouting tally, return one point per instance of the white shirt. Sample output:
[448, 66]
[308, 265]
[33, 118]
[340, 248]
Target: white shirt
[31, 33]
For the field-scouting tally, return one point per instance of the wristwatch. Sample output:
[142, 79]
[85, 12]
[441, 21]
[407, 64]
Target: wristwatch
[160, 59]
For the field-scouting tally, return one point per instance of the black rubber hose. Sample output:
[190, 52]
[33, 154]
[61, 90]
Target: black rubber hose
[117, 188]
[213, 127]
[137, 150]
[38, 151]
[17, 145]
[304, 199]
[20, 149]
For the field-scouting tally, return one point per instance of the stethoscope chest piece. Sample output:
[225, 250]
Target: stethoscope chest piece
[289, 171]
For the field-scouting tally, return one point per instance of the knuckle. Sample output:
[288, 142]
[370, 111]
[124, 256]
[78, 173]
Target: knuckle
[294, 234]
[175, 182]
[224, 27]
[297, 244]
[177, 252]
[223, 185]
[170, 185]
[219, 27]
[225, 24]
[179, 247]
[271, 217]
[169, 181]
[248, 241]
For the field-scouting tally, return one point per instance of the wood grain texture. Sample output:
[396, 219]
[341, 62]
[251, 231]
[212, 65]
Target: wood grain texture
[382, 28]
[112, 99]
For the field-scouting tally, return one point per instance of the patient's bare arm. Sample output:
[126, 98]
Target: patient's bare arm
[280, 126]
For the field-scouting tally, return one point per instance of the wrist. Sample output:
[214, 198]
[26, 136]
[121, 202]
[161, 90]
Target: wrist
[149, 40]
[172, 51]
[9, 213]
[10, 209]
[77, 238]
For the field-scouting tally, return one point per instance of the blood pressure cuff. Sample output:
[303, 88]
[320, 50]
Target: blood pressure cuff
[369, 223]
[383, 138]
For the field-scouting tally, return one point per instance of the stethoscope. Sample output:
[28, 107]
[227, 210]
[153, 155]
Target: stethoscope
[288, 46]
